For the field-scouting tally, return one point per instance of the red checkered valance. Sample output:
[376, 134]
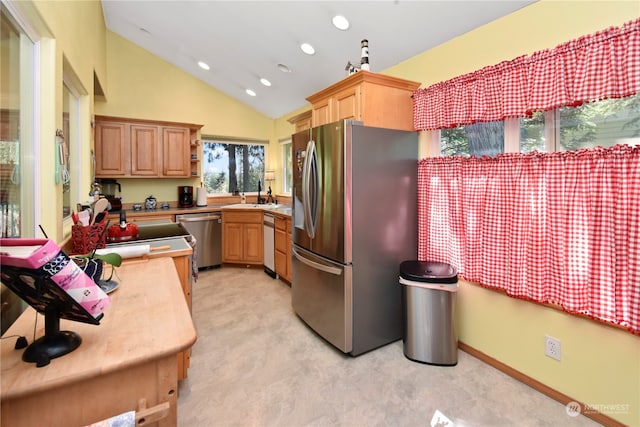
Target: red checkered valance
[598, 66]
[561, 228]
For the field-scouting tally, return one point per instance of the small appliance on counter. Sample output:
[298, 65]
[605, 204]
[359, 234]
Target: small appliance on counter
[112, 191]
[185, 196]
[122, 232]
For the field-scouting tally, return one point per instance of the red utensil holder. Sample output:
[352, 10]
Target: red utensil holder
[87, 238]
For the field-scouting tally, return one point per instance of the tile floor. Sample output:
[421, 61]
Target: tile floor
[257, 364]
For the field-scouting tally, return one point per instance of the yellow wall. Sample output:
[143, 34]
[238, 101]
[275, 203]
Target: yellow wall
[600, 365]
[73, 42]
[144, 86]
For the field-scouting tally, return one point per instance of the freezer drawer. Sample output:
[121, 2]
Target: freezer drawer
[321, 294]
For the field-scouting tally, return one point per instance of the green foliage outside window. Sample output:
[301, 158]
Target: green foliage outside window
[232, 167]
[600, 123]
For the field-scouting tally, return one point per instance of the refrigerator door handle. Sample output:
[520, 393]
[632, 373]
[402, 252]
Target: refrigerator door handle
[307, 170]
[317, 266]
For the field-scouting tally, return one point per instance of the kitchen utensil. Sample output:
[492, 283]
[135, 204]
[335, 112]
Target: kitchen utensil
[132, 251]
[99, 217]
[99, 207]
[84, 217]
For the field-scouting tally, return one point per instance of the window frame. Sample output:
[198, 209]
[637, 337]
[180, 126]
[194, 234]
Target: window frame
[287, 185]
[552, 127]
[235, 141]
[30, 114]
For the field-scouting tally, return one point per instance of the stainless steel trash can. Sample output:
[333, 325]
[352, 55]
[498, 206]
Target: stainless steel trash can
[429, 291]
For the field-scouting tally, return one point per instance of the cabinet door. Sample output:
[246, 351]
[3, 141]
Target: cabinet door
[253, 239]
[110, 149]
[176, 152]
[232, 243]
[289, 269]
[347, 104]
[321, 113]
[144, 150]
[280, 252]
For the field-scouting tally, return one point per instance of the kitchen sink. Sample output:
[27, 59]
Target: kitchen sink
[245, 206]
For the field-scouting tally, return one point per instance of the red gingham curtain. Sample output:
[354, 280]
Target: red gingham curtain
[561, 228]
[598, 66]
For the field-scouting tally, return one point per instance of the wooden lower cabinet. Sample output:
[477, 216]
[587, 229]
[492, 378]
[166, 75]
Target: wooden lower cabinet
[183, 267]
[242, 237]
[283, 248]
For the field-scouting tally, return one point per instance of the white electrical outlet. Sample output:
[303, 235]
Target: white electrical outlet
[552, 347]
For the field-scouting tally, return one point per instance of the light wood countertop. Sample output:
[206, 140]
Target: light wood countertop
[147, 324]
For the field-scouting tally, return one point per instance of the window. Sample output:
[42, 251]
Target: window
[532, 133]
[604, 123]
[601, 123]
[18, 193]
[286, 167]
[478, 139]
[231, 166]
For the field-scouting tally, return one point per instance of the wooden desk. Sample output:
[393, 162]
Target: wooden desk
[130, 356]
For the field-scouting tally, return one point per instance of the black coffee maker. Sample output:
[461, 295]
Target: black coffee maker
[112, 191]
[185, 196]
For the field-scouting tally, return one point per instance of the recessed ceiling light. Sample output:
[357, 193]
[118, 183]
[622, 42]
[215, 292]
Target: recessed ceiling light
[340, 22]
[204, 65]
[250, 92]
[265, 82]
[307, 48]
[284, 68]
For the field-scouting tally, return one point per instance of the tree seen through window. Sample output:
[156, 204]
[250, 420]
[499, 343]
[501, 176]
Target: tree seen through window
[230, 167]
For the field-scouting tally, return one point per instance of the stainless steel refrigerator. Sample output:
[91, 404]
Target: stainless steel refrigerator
[355, 220]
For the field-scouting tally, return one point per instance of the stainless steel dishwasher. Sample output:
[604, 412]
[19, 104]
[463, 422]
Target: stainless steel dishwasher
[206, 228]
[268, 231]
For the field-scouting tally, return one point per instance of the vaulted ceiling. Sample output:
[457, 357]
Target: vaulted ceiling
[244, 41]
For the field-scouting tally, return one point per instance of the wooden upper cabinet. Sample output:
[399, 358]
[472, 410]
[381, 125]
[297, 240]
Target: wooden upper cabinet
[301, 121]
[131, 148]
[144, 150]
[111, 149]
[321, 112]
[374, 99]
[176, 152]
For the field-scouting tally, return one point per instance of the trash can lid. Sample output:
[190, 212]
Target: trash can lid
[428, 271]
